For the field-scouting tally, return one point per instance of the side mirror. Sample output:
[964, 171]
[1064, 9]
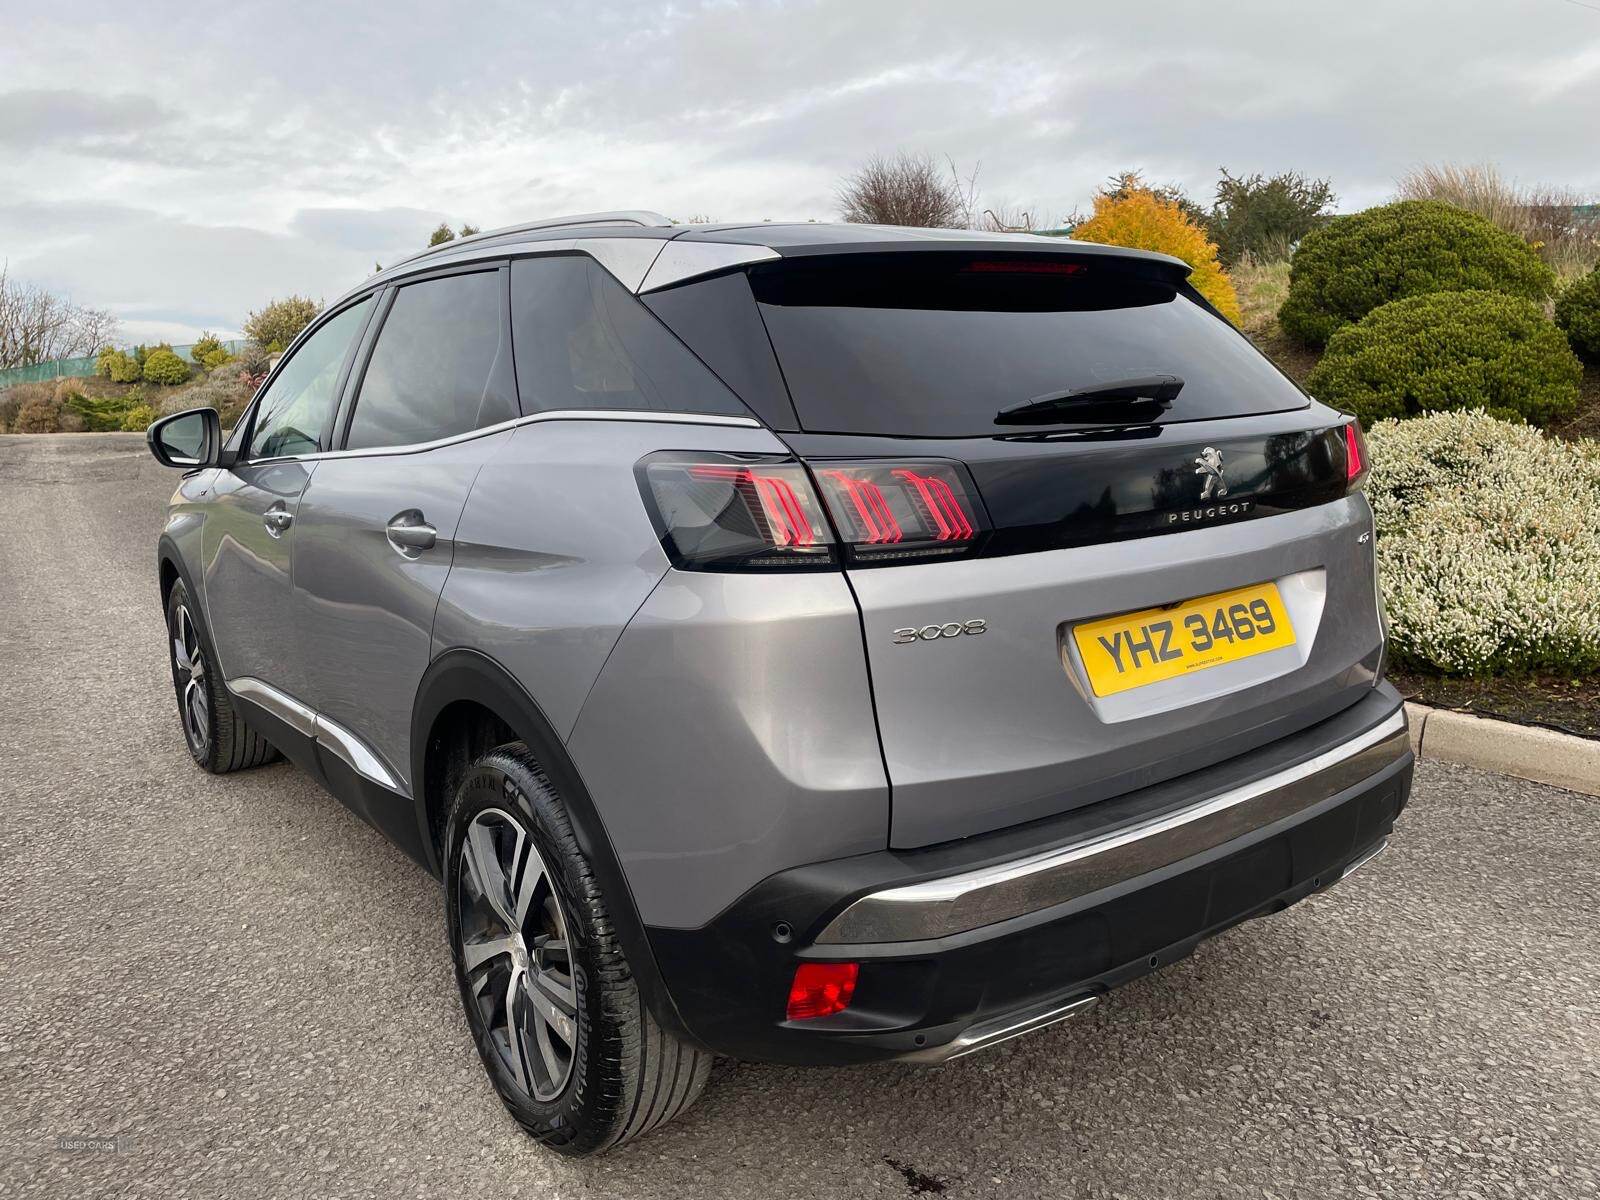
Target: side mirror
[187, 440]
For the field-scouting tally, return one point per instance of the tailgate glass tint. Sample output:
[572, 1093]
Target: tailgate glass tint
[933, 344]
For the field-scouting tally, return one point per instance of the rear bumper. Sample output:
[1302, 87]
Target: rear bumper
[971, 943]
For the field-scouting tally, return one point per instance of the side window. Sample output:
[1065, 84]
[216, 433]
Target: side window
[297, 407]
[584, 341]
[440, 366]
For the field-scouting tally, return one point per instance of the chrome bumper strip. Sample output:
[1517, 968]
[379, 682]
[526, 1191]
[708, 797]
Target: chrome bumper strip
[981, 1037]
[960, 903]
[1352, 867]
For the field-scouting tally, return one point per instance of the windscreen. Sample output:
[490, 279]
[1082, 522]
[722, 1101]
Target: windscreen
[935, 344]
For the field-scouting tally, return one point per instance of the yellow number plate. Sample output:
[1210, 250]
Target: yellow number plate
[1144, 647]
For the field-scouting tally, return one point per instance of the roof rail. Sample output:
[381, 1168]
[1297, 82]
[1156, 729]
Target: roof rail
[637, 216]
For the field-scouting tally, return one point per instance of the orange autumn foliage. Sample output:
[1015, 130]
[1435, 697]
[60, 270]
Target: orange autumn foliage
[1142, 221]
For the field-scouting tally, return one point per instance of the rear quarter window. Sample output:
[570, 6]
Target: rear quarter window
[584, 342]
[935, 344]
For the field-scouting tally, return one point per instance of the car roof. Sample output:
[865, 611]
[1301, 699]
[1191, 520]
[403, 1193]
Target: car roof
[777, 239]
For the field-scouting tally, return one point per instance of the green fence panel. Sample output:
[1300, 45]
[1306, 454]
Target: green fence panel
[78, 368]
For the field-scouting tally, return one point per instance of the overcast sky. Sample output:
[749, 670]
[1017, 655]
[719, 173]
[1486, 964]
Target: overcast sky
[180, 165]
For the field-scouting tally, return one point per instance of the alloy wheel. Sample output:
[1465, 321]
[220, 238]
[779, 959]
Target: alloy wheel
[516, 954]
[190, 679]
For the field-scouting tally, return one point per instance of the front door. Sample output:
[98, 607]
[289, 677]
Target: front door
[376, 527]
[249, 532]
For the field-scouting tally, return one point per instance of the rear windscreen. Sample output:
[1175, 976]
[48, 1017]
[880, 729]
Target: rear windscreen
[935, 344]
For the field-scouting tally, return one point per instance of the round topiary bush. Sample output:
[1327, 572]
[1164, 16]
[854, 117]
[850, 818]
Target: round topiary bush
[1488, 544]
[1578, 315]
[1450, 350]
[1354, 264]
[163, 366]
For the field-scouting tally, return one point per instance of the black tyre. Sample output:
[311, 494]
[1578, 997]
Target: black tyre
[217, 736]
[551, 1002]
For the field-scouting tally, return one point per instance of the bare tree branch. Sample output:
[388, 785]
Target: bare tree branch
[37, 325]
[904, 190]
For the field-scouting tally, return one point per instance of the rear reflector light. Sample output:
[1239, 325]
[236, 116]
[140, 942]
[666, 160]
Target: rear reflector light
[1355, 454]
[821, 989]
[888, 511]
[726, 513]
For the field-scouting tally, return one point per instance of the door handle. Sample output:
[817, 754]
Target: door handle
[277, 519]
[410, 534]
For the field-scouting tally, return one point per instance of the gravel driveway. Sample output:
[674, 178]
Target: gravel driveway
[250, 991]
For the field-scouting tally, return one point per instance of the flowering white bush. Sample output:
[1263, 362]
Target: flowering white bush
[1488, 544]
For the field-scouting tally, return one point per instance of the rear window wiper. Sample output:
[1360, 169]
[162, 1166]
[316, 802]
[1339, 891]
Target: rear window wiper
[1153, 392]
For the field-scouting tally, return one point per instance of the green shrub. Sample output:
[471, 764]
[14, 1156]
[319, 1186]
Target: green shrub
[204, 345]
[1264, 217]
[118, 366]
[279, 322]
[1354, 264]
[99, 414]
[1488, 544]
[213, 359]
[1578, 315]
[1450, 350]
[165, 367]
[138, 418]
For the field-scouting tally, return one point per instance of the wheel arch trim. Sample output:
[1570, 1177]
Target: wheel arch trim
[470, 675]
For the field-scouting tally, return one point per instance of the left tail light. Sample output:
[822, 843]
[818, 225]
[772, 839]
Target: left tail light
[729, 513]
[720, 512]
[898, 511]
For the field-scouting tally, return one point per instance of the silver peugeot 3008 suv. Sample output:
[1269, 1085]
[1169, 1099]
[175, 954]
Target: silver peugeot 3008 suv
[809, 643]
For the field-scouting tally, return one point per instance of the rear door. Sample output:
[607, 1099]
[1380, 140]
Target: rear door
[377, 523]
[994, 706]
[249, 531]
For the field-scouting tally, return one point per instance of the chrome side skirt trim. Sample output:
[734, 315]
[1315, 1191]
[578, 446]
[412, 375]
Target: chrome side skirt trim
[981, 1037]
[330, 735]
[960, 903]
[285, 707]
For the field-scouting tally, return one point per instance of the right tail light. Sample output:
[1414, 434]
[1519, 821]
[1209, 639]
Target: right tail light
[1356, 461]
[719, 512]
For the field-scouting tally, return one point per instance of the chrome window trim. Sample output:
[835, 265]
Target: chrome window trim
[563, 414]
[328, 734]
[961, 903]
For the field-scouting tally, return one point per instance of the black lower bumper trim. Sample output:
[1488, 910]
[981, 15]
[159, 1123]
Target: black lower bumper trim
[921, 1000]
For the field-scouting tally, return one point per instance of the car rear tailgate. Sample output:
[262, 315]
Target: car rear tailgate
[982, 732]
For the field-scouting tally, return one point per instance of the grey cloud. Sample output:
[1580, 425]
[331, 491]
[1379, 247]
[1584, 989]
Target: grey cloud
[366, 229]
[290, 162]
[46, 116]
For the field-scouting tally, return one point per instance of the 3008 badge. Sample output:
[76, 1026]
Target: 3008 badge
[930, 633]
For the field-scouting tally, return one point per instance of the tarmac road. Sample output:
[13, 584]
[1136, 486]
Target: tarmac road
[250, 990]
